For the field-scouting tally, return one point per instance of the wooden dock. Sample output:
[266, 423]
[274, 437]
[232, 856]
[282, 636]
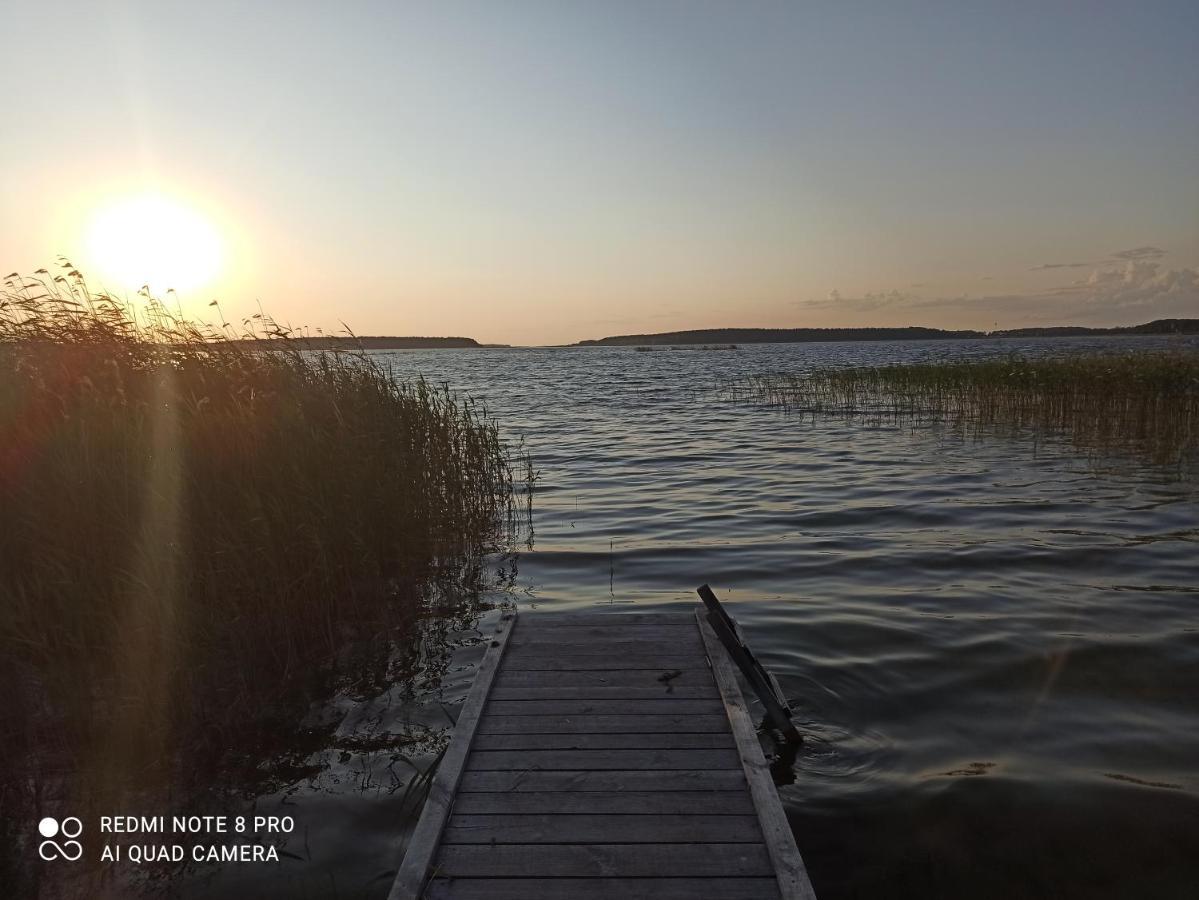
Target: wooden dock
[603, 755]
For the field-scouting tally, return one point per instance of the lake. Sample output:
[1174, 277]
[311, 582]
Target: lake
[992, 643]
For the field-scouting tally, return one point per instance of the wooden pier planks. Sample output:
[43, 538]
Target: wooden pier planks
[603, 756]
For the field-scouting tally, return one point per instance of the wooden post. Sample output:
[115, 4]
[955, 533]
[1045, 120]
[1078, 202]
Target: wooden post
[763, 683]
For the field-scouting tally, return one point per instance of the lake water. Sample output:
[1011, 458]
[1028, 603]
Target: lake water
[992, 645]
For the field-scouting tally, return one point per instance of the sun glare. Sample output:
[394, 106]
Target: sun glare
[156, 240]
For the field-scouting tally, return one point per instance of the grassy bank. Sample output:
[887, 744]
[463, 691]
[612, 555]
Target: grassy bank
[1145, 402]
[200, 537]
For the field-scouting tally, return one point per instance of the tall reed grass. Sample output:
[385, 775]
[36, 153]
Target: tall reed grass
[1145, 402]
[198, 535]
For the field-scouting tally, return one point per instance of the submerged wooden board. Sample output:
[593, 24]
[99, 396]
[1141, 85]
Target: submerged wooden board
[604, 756]
[612, 619]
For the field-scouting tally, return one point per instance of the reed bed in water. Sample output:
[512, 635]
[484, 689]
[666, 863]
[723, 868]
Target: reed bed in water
[1147, 401]
[190, 527]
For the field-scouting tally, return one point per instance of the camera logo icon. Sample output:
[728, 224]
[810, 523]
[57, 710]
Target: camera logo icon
[69, 828]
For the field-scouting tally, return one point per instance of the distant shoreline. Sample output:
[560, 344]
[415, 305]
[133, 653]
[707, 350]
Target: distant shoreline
[368, 342]
[724, 337]
[806, 335]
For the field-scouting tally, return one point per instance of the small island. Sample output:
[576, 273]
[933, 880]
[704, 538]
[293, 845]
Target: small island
[802, 335]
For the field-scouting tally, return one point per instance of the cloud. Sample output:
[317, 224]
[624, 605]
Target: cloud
[1137, 253]
[1116, 293]
[1135, 292]
[1139, 283]
[1073, 265]
[868, 302]
[1132, 255]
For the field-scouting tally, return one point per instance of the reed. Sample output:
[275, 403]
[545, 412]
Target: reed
[1145, 402]
[202, 534]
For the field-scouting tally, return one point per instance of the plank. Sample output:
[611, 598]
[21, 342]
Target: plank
[786, 861]
[706, 692]
[595, 724]
[583, 782]
[509, 678]
[584, 776]
[410, 878]
[765, 685]
[606, 634]
[659, 706]
[597, 760]
[603, 860]
[601, 829]
[666, 803]
[603, 889]
[617, 741]
[563, 662]
[603, 617]
[605, 649]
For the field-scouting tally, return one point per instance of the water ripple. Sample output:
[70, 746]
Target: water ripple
[991, 644]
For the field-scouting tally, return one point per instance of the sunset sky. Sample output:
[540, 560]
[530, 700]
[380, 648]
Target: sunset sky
[545, 172]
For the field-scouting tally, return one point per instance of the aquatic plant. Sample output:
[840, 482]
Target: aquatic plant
[1146, 401]
[205, 529]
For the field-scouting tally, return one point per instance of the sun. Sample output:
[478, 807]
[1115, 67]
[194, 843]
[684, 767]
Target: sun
[156, 240]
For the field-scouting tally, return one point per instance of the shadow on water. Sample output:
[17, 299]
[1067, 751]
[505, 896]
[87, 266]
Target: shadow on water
[976, 832]
[874, 819]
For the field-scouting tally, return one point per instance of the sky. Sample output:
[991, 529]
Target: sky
[545, 172]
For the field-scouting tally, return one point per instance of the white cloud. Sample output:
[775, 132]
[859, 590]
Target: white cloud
[868, 302]
[1130, 294]
[1139, 253]
[1138, 283]
[1071, 265]
[1135, 290]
